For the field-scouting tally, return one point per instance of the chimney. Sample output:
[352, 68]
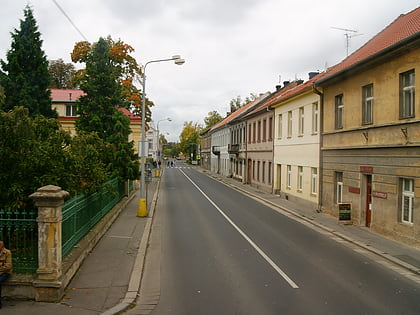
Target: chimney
[285, 83]
[70, 96]
[278, 87]
[299, 82]
[312, 74]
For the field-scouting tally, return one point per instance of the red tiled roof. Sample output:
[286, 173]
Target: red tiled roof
[129, 114]
[65, 95]
[237, 112]
[403, 27]
[275, 97]
[71, 95]
[295, 90]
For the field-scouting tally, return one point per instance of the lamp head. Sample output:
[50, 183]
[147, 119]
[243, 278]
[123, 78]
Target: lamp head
[178, 60]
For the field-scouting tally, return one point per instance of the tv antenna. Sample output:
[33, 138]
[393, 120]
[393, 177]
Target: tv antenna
[349, 34]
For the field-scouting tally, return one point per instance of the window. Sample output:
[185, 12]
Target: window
[289, 124]
[301, 120]
[249, 133]
[280, 127]
[407, 205]
[253, 169]
[339, 187]
[300, 178]
[254, 134]
[367, 104]
[339, 107]
[270, 129]
[269, 172]
[258, 171]
[407, 94]
[315, 118]
[263, 171]
[289, 176]
[71, 110]
[314, 180]
[259, 131]
[264, 136]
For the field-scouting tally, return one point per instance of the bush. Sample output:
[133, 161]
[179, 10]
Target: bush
[35, 152]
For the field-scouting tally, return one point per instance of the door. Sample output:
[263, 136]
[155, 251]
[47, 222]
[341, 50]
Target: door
[278, 178]
[249, 171]
[368, 199]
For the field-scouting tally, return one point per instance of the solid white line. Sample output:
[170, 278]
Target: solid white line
[246, 237]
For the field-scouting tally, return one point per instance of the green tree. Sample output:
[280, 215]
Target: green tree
[212, 119]
[237, 102]
[2, 96]
[62, 74]
[25, 78]
[98, 110]
[35, 152]
[190, 138]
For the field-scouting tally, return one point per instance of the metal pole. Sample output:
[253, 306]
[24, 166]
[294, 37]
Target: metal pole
[142, 208]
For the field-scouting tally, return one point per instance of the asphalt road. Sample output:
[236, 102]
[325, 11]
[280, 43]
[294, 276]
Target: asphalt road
[221, 252]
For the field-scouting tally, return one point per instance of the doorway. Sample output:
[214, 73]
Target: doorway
[368, 205]
[249, 171]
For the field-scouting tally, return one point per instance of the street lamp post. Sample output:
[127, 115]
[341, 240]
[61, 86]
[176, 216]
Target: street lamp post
[159, 154]
[142, 208]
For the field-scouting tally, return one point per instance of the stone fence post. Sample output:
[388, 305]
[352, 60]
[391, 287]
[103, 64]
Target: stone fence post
[48, 200]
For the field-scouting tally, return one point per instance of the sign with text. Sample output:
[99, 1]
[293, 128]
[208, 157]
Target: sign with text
[366, 169]
[344, 211]
[379, 194]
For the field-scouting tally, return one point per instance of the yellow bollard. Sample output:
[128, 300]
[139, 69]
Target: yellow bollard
[142, 210]
[157, 173]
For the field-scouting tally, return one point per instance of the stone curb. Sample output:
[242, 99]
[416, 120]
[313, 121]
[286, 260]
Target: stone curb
[137, 272]
[371, 249]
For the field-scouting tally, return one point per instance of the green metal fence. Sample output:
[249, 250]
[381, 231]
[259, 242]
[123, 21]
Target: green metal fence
[19, 231]
[81, 213]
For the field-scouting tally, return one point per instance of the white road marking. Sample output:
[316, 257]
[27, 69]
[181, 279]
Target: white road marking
[246, 237]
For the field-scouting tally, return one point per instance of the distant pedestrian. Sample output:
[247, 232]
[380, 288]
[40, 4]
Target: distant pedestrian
[5, 265]
[160, 164]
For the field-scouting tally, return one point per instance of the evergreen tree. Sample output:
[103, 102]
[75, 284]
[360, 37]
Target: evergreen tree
[26, 78]
[98, 110]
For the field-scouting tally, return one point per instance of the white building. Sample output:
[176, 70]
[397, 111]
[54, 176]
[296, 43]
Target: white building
[297, 145]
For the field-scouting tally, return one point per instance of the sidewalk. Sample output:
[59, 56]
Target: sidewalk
[109, 278]
[108, 274]
[404, 256]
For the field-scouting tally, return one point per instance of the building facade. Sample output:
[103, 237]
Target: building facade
[371, 139]
[296, 145]
[64, 102]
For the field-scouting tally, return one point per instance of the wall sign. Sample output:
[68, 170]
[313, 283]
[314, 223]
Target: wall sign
[366, 169]
[354, 190]
[379, 194]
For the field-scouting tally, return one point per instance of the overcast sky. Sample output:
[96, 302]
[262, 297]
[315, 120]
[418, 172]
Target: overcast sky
[231, 47]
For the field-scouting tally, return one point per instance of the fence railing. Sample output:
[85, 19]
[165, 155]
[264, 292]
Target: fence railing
[19, 228]
[19, 231]
[81, 213]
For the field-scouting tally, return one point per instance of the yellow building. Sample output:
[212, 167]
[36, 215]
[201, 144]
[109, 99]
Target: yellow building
[64, 101]
[370, 144]
[296, 143]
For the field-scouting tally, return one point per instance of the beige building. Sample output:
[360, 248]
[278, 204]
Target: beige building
[64, 102]
[296, 144]
[371, 133]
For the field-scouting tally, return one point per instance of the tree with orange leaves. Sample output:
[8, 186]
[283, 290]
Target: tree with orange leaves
[126, 70]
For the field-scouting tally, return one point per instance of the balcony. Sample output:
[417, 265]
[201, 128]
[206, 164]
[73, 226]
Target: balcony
[215, 150]
[233, 148]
